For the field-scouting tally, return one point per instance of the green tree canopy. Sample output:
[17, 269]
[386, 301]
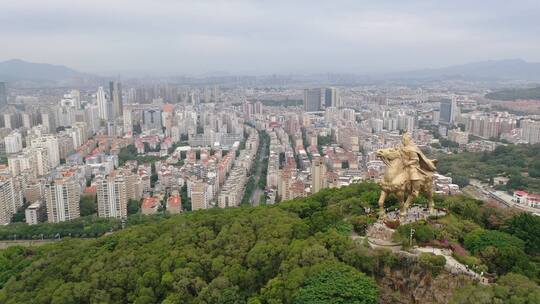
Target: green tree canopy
[338, 284]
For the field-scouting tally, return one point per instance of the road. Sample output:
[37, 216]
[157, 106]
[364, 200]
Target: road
[256, 196]
[486, 193]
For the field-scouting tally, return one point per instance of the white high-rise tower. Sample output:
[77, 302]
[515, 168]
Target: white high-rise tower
[102, 104]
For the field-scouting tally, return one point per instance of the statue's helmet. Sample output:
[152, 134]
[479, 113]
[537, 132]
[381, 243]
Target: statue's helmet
[406, 138]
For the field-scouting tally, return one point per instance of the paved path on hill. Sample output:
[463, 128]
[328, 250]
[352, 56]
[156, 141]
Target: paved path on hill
[24, 243]
[452, 265]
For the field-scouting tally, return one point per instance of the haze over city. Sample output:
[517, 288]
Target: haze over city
[136, 38]
[269, 152]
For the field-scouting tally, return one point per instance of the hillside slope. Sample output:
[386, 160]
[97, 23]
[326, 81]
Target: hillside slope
[298, 251]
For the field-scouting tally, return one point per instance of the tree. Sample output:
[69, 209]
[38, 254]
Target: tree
[511, 288]
[338, 284]
[88, 205]
[133, 206]
[526, 227]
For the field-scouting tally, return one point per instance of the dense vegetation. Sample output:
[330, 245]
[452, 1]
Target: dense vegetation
[298, 251]
[485, 238]
[236, 255]
[514, 94]
[83, 227]
[130, 153]
[521, 163]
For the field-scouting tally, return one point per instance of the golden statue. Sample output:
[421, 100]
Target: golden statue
[408, 173]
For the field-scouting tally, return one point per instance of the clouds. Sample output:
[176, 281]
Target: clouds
[186, 37]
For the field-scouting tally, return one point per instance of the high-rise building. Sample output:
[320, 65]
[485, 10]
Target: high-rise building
[127, 120]
[51, 143]
[10, 198]
[112, 196]
[13, 142]
[91, 117]
[312, 99]
[48, 120]
[62, 196]
[531, 131]
[35, 213]
[318, 174]
[151, 119]
[3, 94]
[331, 98]
[102, 103]
[198, 195]
[115, 93]
[448, 111]
[76, 96]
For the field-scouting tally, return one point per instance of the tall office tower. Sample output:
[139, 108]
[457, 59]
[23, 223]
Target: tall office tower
[312, 100]
[76, 96]
[318, 174]
[102, 104]
[10, 198]
[62, 196]
[115, 93]
[3, 94]
[331, 98]
[50, 142]
[127, 120]
[13, 142]
[112, 196]
[448, 111]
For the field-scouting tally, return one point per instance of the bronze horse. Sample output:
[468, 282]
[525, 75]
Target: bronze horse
[397, 181]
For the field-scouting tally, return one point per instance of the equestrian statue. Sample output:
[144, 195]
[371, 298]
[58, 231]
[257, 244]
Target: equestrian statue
[408, 173]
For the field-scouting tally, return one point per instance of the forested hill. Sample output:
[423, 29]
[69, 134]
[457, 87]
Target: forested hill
[515, 94]
[299, 251]
[520, 163]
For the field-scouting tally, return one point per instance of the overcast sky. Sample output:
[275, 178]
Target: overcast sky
[164, 37]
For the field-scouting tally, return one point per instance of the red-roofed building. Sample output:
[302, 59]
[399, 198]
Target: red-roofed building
[528, 199]
[90, 190]
[174, 204]
[150, 205]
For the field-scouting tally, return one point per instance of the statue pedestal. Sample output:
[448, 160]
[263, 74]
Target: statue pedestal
[380, 236]
[414, 214]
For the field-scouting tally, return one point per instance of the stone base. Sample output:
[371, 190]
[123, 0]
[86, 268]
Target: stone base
[414, 214]
[380, 235]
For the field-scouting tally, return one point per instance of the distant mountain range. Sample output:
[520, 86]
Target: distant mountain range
[23, 73]
[28, 74]
[510, 69]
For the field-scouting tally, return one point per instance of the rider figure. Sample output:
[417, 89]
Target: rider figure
[411, 159]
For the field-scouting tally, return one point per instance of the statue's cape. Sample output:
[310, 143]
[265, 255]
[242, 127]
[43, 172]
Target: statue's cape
[426, 164]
